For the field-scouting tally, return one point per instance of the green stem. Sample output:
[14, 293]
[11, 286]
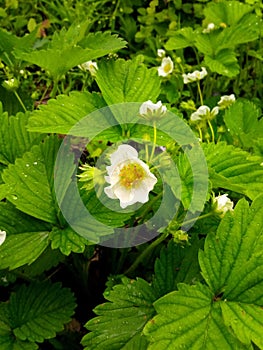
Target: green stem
[198, 218]
[147, 153]
[212, 130]
[154, 140]
[20, 101]
[200, 93]
[54, 90]
[200, 133]
[146, 252]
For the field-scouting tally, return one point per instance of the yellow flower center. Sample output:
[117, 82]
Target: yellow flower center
[167, 67]
[131, 174]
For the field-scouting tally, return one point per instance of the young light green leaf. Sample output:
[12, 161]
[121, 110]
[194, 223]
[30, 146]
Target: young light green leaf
[14, 137]
[188, 319]
[238, 240]
[30, 181]
[127, 81]
[234, 169]
[128, 309]
[67, 241]
[40, 310]
[64, 112]
[243, 123]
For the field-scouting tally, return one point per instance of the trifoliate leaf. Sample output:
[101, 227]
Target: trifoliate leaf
[30, 181]
[120, 321]
[58, 61]
[40, 310]
[243, 123]
[127, 81]
[231, 255]
[62, 113]
[234, 169]
[189, 319]
[67, 241]
[14, 137]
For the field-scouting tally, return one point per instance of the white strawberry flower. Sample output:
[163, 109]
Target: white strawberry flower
[226, 101]
[130, 178]
[196, 75]
[91, 66]
[166, 67]
[150, 110]
[2, 237]
[204, 112]
[222, 204]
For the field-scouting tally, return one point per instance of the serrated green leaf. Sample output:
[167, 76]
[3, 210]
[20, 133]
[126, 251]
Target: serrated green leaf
[23, 248]
[223, 62]
[238, 240]
[58, 61]
[246, 320]
[123, 318]
[69, 37]
[189, 319]
[176, 265]
[243, 123]
[228, 12]
[62, 113]
[245, 31]
[234, 169]
[67, 241]
[127, 81]
[14, 138]
[187, 164]
[14, 221]
[48, 259]
[30, 181]
[9, 42]
[181, 38]
[40, 310]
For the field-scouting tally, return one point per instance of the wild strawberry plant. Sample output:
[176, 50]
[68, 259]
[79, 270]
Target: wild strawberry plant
[131, 188]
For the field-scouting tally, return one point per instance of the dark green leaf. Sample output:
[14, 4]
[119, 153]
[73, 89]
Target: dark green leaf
[120, 321]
